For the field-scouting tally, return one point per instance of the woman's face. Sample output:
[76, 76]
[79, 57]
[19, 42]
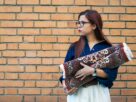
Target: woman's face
[84, 26]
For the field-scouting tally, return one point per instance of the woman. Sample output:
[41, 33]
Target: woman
[91, 40]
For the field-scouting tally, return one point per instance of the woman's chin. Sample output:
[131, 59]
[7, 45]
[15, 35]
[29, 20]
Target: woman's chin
[84, 34]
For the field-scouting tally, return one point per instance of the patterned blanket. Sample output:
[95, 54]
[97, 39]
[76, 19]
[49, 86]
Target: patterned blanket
[107, 58]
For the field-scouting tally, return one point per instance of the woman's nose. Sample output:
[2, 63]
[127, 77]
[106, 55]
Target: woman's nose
[79, 29]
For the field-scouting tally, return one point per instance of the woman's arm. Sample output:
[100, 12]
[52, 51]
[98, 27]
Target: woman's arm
[105, 76]
[87, 70]
[101, 73]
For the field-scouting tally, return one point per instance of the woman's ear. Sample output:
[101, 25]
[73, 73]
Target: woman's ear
[94, 26]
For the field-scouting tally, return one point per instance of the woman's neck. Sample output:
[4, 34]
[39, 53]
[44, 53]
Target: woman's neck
[91, 38]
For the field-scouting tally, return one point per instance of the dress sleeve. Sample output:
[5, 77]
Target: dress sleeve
[111, 73]
[69, 56]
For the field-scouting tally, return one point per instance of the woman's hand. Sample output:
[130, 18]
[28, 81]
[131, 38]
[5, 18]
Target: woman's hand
[87, 70]
[73, 90]
[64, 86]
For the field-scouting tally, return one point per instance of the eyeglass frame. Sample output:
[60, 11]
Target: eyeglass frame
[81, 22]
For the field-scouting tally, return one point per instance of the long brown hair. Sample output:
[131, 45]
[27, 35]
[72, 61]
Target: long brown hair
[94, 18]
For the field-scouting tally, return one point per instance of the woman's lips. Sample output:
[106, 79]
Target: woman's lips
[80, 30]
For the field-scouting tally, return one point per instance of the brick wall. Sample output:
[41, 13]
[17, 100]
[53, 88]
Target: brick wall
[34, 38]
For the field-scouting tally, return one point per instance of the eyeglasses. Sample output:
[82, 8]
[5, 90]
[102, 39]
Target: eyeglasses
[81, 23]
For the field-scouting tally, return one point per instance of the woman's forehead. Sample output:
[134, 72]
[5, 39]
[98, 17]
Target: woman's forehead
[83, 18]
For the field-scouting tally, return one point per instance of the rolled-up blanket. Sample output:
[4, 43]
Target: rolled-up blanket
[107, 58]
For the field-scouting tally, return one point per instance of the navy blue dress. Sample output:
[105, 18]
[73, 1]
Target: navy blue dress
[112, 73]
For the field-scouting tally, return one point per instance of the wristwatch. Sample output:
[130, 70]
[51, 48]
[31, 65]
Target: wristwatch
[95, 73]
